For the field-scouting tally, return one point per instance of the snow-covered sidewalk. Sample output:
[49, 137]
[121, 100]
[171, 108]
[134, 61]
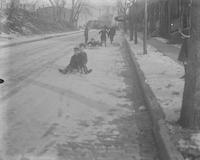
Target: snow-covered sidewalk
[163, 76]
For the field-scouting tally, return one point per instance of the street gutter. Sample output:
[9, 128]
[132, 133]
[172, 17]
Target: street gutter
[166, 148]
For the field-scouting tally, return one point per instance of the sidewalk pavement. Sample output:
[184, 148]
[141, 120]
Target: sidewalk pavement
[158, 76]
[164, 79]
[162, 45]
[163, 74]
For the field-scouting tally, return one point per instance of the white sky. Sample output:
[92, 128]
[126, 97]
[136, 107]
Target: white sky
[102, 1]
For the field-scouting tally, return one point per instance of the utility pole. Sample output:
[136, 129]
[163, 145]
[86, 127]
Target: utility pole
[145, 27]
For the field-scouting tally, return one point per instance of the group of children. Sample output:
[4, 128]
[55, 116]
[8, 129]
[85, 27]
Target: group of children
[110, 32]
[104, 33]
[78, 61]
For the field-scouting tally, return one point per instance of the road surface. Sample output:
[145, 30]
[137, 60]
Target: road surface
[49, 116]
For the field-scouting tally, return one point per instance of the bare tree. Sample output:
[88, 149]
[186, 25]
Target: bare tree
[12, 9]
[52, 3]
[78, 7]
[58, 6]
[133, 20]
[34, 3]
[86, 9]
[75, 11]
[190, 113]
[123, 7]
[60, 3]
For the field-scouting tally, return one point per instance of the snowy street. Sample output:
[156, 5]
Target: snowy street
[50, 116]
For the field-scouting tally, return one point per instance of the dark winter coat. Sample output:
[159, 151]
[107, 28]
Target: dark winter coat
[112, 32]
[86, 34]
[82, 58]
[103, 34]
[74, 62]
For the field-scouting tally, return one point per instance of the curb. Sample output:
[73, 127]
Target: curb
[167, 150]
[39, 39]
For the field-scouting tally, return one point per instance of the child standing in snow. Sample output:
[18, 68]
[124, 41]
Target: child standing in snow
[103, 35]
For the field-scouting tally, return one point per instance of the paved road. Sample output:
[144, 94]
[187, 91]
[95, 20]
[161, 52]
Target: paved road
[49, 116]
[20, 62]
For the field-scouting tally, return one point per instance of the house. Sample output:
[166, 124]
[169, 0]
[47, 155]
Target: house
[3, 4]
[28, 6]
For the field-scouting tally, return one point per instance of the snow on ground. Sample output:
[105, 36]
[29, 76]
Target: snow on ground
[56, 109]
[177, 45]
[161, 39]
[100, 90]
[163, 75]
[196, 139]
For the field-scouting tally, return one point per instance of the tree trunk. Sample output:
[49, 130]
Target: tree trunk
[145, 27]
[135, 29]
[131, 22]
[131, 32]
[72, 12]
[152, 18]
[131, 29]
[125, 26]
[169, 17]
[190, 113]
[164, 18]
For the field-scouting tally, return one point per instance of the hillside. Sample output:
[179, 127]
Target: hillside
[19, 21]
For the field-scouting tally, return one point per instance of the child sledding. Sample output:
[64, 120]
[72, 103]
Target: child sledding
[94, 43]
[78, 62]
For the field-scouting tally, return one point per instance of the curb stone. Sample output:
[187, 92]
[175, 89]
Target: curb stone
[39, 39]
[166, 148]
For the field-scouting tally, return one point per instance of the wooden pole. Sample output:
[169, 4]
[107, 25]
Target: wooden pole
[145, 27]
